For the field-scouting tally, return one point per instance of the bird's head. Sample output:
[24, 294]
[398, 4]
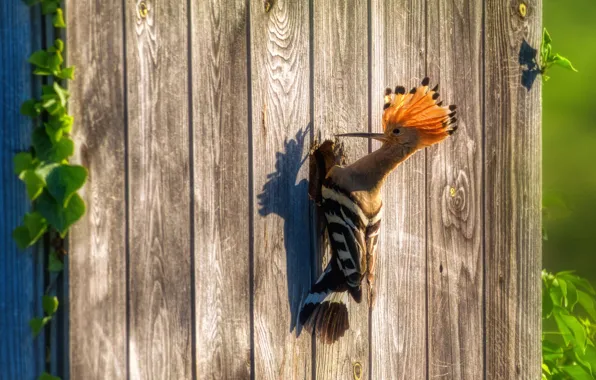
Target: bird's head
[414, 120]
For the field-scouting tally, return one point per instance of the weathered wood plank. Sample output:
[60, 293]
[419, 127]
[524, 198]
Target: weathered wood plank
[21, 287]
[398, 338]
[512, 194]
[454, 195]
[160, 344]
[97, 242]
[341, 105]
[221, 189]
[280, 137]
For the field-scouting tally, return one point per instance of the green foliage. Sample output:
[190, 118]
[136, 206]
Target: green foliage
[548, 59]
[568, 307]
[47, 376]
[51, 182]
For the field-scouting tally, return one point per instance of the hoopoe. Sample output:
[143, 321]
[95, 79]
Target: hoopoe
[350, 198]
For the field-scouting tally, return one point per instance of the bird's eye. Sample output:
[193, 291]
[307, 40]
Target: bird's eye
[396, 131]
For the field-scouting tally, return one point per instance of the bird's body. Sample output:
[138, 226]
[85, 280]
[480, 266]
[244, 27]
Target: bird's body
[349, 197]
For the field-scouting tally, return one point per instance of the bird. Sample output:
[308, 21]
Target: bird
[349, 197]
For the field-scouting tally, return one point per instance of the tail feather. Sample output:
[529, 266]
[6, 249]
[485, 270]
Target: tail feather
[328, 319]
[325, 311]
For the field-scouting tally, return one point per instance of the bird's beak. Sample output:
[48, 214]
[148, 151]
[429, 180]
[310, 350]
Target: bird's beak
[376, 136]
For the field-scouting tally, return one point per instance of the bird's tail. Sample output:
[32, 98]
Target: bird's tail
[325, 310]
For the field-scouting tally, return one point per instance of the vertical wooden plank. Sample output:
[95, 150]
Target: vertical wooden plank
[21, 356]
[398, 339]
[221, 189]
[160, 343]
[341, 105]
[513, 192]
[280, 138]
[454, 195]
[97, 263]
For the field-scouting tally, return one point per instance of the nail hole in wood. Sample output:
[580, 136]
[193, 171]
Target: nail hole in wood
[440, 268]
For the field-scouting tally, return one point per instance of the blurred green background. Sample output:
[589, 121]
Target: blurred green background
[569, 140]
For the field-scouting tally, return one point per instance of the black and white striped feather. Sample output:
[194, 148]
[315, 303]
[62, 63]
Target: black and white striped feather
[352, 237]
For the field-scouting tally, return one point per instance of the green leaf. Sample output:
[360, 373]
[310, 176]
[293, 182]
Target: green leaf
[23, 161]
[37, 324]
[52, 104]
[47, 376]
[39, 71]
[54, 61]
[571, 295]
[572, 329]
[50, 304]
[64, 181]
[563, 62]
[587, 303]
[59, 44]
[62, 93]
[577, 372]
[33, 227]
[545, 369]
[61, 218]
[29, 108]
[546, 39]
[66, 73]
[40, 59]
[47, 89]
[48, 6]
[33, 182]
[579, 282]
[48, 151]
[551, 351]
[588, 359]
[55, 134]
[21, 236]
[555, 293]
[55, 264]
[563, 286]
[547, 303]
[58, 19]
[57, 125]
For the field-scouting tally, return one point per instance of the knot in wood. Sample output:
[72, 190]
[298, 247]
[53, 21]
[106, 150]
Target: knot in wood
[143, 10]
[357, 371]
[523, 10]
[267, 5]
[456, 207]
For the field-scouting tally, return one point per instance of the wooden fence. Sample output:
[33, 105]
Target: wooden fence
[195, 119]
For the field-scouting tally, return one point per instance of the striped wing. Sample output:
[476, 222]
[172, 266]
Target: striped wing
[346, 228]
[372, 239]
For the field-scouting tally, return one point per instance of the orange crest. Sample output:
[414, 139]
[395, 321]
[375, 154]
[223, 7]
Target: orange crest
[419, 109]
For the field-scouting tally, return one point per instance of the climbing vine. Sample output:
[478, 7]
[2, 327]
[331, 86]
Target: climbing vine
[50, 180]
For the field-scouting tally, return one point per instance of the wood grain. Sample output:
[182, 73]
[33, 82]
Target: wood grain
[97, 242]
[398, 339]
[283, 254]
[340, 93]
[22, 273]
[512, 194]
[160, 343]
[220, 121]
[454, 195]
